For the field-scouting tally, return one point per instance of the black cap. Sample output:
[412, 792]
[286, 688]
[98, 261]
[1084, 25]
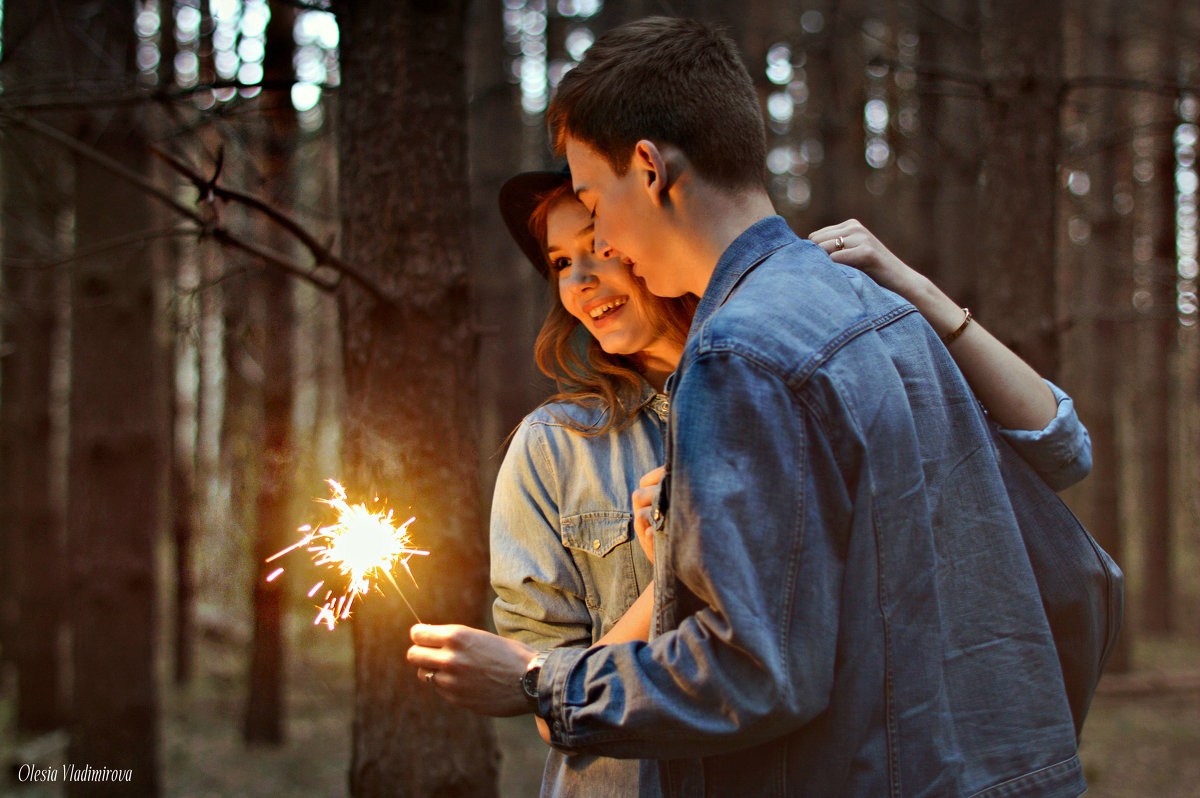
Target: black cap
[518, 197]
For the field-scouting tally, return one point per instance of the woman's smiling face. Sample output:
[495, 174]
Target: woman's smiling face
[602, 293]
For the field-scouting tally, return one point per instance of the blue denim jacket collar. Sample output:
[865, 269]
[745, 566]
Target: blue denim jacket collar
[747, 250]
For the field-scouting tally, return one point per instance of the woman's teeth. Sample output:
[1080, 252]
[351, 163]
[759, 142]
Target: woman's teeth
[599, 311]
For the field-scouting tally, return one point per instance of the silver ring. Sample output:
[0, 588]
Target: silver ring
[839, 243]
[431, 676]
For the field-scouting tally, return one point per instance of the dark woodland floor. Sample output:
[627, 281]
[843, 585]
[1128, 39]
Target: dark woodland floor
[1135, 746]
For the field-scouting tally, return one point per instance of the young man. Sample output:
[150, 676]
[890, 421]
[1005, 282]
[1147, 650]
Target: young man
[844, 606]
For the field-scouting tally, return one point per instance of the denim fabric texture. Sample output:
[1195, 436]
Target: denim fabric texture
[845, 602]
[566, 564]
[1061, 454]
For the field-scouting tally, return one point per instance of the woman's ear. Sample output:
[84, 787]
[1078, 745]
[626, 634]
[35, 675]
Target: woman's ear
[651, 163]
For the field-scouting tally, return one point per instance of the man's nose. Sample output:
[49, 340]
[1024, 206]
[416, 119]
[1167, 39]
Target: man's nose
[604, 250]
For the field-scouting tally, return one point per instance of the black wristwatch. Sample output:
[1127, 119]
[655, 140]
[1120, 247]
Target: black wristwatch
[529, 680]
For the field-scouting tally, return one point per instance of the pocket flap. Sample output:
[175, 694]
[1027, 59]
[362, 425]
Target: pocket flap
[597, 533]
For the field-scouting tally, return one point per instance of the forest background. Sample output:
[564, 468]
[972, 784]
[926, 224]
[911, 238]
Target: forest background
[249, 245]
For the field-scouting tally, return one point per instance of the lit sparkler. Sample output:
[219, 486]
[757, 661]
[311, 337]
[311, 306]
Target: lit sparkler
[362, 545]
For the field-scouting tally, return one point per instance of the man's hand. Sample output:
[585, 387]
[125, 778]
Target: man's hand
[645, 500]
[471, 668]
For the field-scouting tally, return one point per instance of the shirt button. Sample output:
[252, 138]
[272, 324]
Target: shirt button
[596, 545]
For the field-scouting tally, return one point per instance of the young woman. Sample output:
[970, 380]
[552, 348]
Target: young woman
[566, 566]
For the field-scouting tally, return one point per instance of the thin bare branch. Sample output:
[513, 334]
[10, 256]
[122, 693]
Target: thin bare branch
[956, 25]
[73, 99]
[1078, 83]
[203, 226]
[322, 255]
[139, 237]
[978, 82]
[99, 158]
[1167, 88]
[270, 257]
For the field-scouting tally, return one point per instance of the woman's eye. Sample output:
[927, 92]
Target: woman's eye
[558, 264]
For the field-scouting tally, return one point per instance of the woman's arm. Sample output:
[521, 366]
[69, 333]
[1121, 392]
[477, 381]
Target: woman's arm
[635, 623]
[539, 589]
[1015, 396]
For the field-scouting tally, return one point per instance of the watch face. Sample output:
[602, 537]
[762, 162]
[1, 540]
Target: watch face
[530, 682]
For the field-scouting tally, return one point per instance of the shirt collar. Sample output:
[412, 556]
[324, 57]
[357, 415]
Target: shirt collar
[754, 244]
[654, 400]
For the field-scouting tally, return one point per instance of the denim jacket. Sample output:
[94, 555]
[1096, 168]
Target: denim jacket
[844, 597]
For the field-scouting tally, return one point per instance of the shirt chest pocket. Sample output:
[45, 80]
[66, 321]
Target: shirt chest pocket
[601, 546]
[597, 533]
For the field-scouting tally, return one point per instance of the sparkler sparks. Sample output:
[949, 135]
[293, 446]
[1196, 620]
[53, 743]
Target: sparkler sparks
[363, 546]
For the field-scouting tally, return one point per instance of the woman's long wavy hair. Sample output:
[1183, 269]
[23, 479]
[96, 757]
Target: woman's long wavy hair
[584, 373]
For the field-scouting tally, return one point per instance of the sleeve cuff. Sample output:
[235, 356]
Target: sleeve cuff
[1061, 453]
[552, 688]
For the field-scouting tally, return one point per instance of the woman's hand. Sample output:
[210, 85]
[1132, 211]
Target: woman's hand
[1014, 394]
[854, 245]
[645, 500]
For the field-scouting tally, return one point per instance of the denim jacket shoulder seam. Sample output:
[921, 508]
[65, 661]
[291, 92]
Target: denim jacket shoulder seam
[822, 355]
[547, 466]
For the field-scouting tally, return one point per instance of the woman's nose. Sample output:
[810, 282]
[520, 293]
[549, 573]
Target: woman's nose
[581, 276]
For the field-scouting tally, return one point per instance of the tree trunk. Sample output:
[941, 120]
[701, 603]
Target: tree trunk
[118, 455]
[837, 80]
[948, 147]
[410, 370]
[264, 721]
[1022, 51]
[510, 297]
[1157, 338]
[1097, 300]
[183, 457]
[33, 525]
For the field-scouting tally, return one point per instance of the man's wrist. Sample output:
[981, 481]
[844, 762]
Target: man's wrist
[529, 680]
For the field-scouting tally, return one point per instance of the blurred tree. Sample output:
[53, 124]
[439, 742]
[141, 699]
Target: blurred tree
[276, 131]
[117, 421]
[34, 199]
[508, 294]
[1096, 265]
[1158, 326]
[837, 77]
[948, 149]
[410, 373]
[1022, 51]
[183, 508]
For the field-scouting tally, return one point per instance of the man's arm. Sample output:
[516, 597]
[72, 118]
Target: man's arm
[752, 662]
[749, 528]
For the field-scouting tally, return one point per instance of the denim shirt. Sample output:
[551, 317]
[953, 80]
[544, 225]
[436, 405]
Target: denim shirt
[846, 603]
[566, 564]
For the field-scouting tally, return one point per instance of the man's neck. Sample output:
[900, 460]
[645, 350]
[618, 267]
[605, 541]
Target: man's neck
[716, 218]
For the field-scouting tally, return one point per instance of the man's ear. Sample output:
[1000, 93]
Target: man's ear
[651, 163]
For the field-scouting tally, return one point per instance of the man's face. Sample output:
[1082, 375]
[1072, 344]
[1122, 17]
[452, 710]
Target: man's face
[627, 223]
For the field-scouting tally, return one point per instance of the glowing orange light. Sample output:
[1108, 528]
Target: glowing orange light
[363, 546]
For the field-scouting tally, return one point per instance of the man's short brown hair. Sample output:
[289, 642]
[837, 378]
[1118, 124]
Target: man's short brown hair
[672, 81]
